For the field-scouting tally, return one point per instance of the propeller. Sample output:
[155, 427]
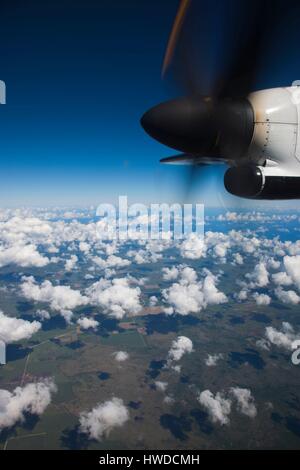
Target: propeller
[214, 55]
[222, 42]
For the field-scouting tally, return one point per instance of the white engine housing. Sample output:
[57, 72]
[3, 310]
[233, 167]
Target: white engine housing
[276, 139]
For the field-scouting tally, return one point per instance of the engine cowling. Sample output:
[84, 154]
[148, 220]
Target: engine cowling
[270, 168]
[252, 182]
[276, 135]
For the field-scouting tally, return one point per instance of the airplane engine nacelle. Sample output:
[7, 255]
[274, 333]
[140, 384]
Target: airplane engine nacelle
[253, 182]
[276, 134]
[270, 168]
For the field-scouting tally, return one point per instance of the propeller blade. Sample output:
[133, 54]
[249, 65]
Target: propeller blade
[194, 175]
[187, 61]
[256, 24]
[175, 33]
[182, 159]
[188, 159]
[218, 48]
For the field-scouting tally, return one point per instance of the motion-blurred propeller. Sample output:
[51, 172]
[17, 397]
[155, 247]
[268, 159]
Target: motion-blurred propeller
[214, 55]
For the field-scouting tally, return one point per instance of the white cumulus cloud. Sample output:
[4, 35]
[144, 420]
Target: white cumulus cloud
[193, 247]
[111, 262]
[60, 298]
[33, 398]
[71, 263]
[245, 401]
[218, 407]
[287, 296]
[292, 267]
[22, 255]
[121, 356]
[161, 386]
[170, 274]
[87, 323]
[15, 329]
[102, 419]
[259, 277]
[213, 359]
[116, 297]
[179, 347]
[283, 338]
[189, 295]
[262, 299]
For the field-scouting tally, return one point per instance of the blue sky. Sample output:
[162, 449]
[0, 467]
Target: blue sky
[79, 76]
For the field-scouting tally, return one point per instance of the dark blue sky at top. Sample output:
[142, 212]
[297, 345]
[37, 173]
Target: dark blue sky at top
[79, 75]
